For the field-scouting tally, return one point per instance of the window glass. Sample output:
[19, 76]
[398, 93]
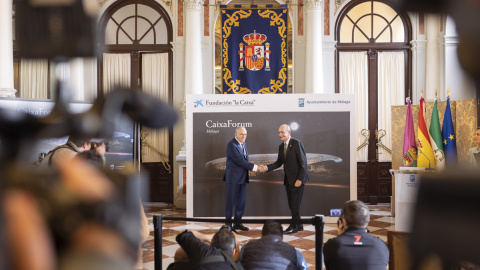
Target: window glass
[386, 24]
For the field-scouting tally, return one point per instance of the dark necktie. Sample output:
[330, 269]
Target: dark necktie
[244, 151]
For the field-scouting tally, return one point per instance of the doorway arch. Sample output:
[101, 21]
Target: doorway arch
[136, 52]
[374, 29]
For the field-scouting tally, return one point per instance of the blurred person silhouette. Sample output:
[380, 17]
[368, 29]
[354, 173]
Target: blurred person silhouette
[74, 145]
[270, 252]
[474, 152]
[92, 245]
[354, 248]
[94, 157]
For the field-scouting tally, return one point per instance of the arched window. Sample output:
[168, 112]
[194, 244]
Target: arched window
[372, 22]
[137, 24]
[133, 27]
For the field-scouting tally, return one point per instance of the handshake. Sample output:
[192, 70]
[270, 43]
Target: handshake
[262, 168]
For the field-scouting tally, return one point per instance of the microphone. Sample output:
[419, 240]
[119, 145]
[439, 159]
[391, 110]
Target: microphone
[429, 166]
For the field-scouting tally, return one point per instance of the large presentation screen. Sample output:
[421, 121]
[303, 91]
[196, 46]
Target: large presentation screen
[121, 145]
[324, 123]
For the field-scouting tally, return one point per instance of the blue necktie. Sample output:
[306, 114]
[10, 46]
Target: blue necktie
[244, 151]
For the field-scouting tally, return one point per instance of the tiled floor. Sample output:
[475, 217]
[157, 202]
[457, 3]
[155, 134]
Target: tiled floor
[380, 221]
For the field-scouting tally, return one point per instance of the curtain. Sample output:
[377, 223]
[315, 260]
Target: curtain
[155, 82]
[79, 75]
[116, 71]
[34, 78]
[391, 92]
[353, 79]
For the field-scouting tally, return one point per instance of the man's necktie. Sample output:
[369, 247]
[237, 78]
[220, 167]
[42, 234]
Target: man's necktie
[285, 147]
[244, 151]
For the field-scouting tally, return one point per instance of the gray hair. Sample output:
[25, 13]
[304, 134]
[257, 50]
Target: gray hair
[356, 214]
[288, 127]
[236, 129]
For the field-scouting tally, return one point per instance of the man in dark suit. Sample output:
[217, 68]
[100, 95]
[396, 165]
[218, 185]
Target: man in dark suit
[236, 177]
[291, 155]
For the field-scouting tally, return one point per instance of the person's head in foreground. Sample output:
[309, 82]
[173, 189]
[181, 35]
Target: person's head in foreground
[354, 214]
[224, 240]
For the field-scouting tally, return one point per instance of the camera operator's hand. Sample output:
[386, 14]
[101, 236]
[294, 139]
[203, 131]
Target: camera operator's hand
[90, 245]
[85, 181]
[28, 240]
[341, 226]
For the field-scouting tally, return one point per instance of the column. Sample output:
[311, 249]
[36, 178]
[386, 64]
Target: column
[193, 78]
[314, 51]
[193, 46]
[432, 72]
[418, 68]
[6, 50]
[452, 74]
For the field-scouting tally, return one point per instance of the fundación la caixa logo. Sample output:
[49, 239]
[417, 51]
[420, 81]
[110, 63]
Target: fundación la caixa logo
[223, 103]
[198, 103]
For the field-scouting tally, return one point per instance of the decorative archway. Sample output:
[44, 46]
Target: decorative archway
[372, 30]
[136, 51]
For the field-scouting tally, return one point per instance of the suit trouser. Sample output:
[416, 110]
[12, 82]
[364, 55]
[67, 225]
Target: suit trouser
[294, 196]
[235, 199]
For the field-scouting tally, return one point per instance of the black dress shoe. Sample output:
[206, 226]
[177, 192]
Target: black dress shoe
[300, 227]
[231, 228]
[239, 226]
[291, 229]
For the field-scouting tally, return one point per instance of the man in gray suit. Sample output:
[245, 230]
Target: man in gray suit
[291, 154]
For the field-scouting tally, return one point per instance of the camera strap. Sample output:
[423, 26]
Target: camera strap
[51, 153]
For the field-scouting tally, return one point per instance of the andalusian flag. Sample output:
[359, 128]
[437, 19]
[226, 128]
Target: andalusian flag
[425, 152]
[449, 139]
[409, 147]
[436, 138]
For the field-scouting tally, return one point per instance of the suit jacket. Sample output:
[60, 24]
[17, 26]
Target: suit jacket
[294, 164]
[237, 164]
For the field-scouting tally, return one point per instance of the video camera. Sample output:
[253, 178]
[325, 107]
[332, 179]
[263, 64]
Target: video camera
[61, 29]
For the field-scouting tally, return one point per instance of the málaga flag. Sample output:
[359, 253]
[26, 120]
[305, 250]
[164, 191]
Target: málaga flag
[409, 147]
[449, 139]
[436, 138]
[425, 152]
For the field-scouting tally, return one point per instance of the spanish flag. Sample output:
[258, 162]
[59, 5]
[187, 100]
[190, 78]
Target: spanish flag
[425, 157]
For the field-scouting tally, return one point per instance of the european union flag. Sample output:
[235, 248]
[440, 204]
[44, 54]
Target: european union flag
[254, 50]
[449, 138]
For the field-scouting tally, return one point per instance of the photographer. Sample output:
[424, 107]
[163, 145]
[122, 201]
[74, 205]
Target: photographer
[355, 248]
[74, 145]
